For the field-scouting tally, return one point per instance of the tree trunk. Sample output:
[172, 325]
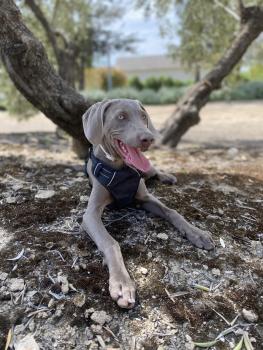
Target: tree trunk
[187, 112]
[26, 62]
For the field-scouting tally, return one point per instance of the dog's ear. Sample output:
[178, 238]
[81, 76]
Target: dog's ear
[93, 121]
[149, 122]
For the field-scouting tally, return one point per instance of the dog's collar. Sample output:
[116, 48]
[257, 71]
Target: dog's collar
[107, 155]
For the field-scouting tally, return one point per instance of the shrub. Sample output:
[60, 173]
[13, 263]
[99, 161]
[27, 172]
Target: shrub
[153, 83]
[135, 83]
[118, 78]
[150, 97]
[170, 95]
[124, 93]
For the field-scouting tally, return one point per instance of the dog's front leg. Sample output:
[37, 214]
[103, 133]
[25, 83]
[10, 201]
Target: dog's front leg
[199, 238]
[165, 178]
[121, 286]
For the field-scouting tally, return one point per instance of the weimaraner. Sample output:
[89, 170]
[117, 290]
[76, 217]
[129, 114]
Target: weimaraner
[120, 130]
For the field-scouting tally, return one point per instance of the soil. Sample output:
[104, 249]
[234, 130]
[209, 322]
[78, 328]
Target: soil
[219, 190]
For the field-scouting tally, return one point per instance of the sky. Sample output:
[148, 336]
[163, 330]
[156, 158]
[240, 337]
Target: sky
[145, 29]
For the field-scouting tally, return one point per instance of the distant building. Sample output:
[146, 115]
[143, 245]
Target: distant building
[157, 65]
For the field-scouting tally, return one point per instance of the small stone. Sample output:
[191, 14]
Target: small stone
[96, 328]
[88, 312]
[249, 315]
[162, 236]
[11, 200]
[84, 199]
[80, 173]
[143, 270]
[32, 326]
[19, 329]
[79, 300]
[100, 317]
[68, 171]
[83, 266]
[149, 255]
[63, 280]
[232, 152]
[220, 212]
[216, 272]
[17, 187]
[205, 267]
[3, 276]
[51, 303]
[15, 284]
[63, 188]
[88, 333]
[44, 194]
[27, 343]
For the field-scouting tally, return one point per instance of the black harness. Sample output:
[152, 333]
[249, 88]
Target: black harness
[121, 183]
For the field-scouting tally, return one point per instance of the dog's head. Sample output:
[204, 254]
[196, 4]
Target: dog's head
[123, 127]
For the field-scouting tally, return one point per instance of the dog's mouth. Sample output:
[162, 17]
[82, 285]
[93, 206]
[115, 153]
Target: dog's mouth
[133, 156]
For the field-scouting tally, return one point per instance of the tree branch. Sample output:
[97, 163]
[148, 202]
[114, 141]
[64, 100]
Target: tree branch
[187, 113]
[228, 10]
[26, 62]
[45, 24]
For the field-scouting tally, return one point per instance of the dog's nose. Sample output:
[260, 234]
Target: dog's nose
[146, 141]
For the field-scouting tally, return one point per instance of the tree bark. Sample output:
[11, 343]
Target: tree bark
[186, 114]
[26, 62]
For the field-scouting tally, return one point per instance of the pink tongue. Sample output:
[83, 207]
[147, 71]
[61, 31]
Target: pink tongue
[134, 157]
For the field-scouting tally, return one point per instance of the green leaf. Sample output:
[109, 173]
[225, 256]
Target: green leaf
[247, 342]
[239, 345]
[207, 344]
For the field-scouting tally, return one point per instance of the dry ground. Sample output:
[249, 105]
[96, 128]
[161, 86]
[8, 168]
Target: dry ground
[219, 189]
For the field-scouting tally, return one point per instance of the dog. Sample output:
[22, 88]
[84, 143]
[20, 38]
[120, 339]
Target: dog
[120, 130]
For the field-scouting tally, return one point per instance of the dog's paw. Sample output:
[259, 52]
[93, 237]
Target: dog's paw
[122, 290]
[201, 239]
[166, 178]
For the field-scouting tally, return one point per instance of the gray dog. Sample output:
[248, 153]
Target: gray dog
[120, 130]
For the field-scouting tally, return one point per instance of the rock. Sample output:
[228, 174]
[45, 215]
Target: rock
[79, 300]
[32, 326]
[232, 152]
[88, 333]
[249, 315]
[63, 280]
[11, 200]
[257, 248]
[44, 194]
[100, 317]
[220, 212]
[149, 255]
[27, 343]
[143, 270]
[68, 171]
[15, 284]
[80, 173]
[3, 276]
[84, 199]
[88, 312]
[216, 272]
[51, 303]
[162, 236]
[96, 329]
[19, 329]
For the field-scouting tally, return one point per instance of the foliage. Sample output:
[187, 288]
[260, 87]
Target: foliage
[118, 78]
[136, 83]
[156, 83]
[146, 96]
[246, 91]
[205, 27]
[255, 72]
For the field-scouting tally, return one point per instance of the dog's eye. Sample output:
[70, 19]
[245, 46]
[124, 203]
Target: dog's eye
[144, 116]
[121, 117]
